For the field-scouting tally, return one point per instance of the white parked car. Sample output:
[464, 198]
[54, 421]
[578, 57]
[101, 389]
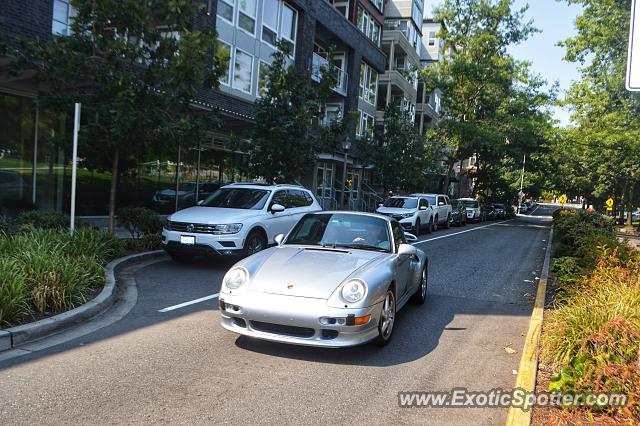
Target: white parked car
[441, 209]
[413, 213]
[237, 219]
[474, 213]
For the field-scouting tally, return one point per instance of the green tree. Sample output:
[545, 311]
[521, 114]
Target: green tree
[289, 132]
[492, 104]
[398, 152]
[135, 66]
[604, 145]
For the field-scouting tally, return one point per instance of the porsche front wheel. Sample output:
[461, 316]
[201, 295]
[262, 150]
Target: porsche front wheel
[387, 319]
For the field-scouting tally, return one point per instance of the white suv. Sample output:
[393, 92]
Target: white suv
[441, 209]
[474, 214]
[413, 213]
[238, 219]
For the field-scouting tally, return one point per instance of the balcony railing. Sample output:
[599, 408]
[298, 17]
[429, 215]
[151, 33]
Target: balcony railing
[319, 65]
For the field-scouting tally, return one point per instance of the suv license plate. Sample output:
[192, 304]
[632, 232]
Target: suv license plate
[187, 239]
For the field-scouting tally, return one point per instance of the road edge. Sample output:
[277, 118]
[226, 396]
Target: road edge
[528, 369]
[18, 335]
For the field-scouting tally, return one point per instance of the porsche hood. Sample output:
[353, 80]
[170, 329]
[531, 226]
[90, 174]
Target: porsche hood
[309, 272]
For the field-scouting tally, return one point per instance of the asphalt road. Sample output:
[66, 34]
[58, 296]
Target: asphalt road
[179, 366]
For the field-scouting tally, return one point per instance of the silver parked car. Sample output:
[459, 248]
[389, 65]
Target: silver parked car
[336, 280]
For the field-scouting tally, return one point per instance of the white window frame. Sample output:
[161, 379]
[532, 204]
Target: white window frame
[364, 118]
[70, 14]
[260, 62]
[230, 65]
[432, 38]
[379, 4]
[233, 78]
[263, 24]
[255, 21]
[365, 84]
[232, 4]
[295, 26]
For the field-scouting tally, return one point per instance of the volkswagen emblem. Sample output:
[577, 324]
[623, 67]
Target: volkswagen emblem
[190, 227]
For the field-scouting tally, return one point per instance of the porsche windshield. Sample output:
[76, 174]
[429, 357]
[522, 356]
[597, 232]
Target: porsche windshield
[337, 230]
[237, 198]
[401, 203]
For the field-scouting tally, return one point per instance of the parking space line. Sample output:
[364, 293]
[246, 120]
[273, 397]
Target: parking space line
[461, 232]
[191, 302]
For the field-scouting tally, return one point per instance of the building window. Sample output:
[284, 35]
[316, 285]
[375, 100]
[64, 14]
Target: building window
[270, 21]
[288, 24]
[432, 38]
[243, 71]
[364, 124]
[341, 6]
[379, 4]
[263, 70]
[225, 10]
[369, 26]
[224, 54]
[63, 12]
[332, 113]
[247, 15]
[368, 89]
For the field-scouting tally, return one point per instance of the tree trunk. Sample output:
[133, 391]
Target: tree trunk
[630, 205]
[112, 193]
[447, 178]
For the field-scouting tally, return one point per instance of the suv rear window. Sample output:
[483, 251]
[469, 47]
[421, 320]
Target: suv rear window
[401, 203]
[470, 203]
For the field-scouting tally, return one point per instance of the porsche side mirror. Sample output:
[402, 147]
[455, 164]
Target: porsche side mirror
[410, 237]
[279, 239]
[407, 250]
[277, 208]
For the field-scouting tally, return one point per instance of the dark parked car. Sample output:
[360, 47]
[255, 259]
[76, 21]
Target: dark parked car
[501, 210]
[458, 213]
[487, 212]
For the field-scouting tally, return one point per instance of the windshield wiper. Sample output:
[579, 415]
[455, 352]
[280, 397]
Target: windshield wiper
[360, 247]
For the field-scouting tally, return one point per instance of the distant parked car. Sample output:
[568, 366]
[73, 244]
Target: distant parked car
[458, 213]
[635, 216]
[501, 210]
[488, 212]
[524, 208]
[473, 209]
[441, 209]
[413, 213]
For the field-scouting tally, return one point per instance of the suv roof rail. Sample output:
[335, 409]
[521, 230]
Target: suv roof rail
[266, 184]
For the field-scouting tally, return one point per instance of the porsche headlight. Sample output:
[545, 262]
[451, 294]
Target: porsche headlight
[236, 278]
[353, 291]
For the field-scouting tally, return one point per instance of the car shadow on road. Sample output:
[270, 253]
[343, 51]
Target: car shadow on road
[417, 333]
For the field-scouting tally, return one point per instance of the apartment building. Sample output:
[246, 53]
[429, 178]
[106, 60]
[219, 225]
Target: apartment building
[35, 172]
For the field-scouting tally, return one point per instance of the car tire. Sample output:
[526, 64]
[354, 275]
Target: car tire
[387, 319]
[435, 224]
[179, 257]
[430, 226]
[254, 243]
[420, 295]
[447, 225]
[416, 228]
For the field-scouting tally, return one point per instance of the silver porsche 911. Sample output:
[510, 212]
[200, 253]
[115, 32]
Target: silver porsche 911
[336, 280]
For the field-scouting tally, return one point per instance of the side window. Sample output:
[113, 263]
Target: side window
[308, 197]
[280, 197]
[446, 200]
[424, 202]
[441, 200]
[296, 198]
[398, 234]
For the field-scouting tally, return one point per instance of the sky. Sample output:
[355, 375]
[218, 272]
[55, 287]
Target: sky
[556, 20]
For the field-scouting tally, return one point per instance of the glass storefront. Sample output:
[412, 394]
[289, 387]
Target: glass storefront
[149, 181]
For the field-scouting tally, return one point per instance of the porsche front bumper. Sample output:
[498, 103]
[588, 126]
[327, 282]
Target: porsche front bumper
[296, 320]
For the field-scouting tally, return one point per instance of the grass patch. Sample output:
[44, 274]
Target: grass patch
[591, 337]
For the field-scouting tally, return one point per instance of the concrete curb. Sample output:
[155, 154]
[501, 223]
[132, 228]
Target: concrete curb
[528, 369]
[14, 336]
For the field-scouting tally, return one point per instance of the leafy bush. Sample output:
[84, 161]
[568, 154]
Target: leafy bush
[42, 220]
[14, 299]
[139, 221]
[8, 226]
[56, 269]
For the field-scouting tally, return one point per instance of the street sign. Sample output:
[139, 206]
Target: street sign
[562, 199]
[609, 202]
[633, 57]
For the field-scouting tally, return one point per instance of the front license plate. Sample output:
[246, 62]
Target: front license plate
[187, 239]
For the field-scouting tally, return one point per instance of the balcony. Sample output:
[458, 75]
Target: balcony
[319, 65]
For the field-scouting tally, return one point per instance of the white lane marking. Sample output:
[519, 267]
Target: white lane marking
[191, 302]
[462, 232]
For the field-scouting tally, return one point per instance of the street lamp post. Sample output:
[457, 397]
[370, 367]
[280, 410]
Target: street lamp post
[346, 145]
